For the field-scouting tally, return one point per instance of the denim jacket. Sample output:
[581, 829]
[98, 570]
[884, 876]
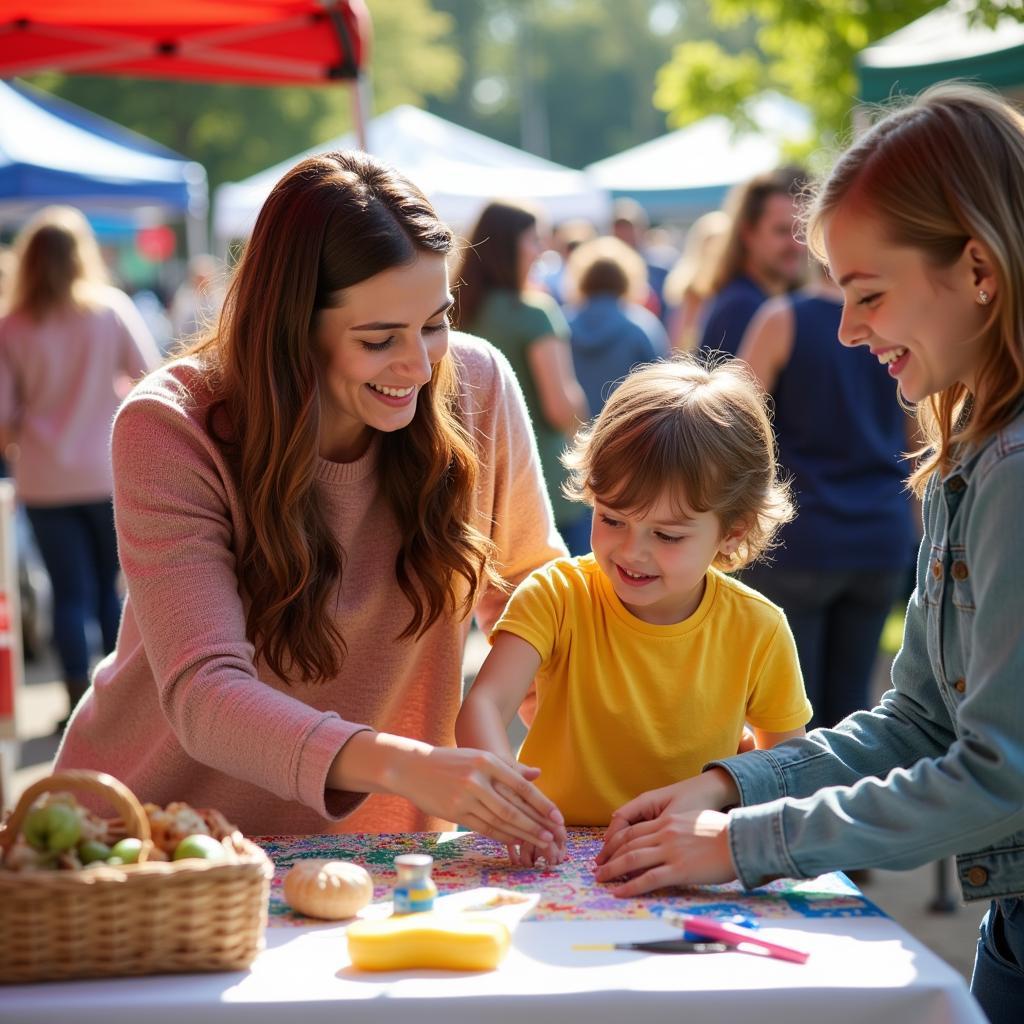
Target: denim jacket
[938, 767]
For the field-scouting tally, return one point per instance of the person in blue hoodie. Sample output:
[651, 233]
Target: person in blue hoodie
[610, 334]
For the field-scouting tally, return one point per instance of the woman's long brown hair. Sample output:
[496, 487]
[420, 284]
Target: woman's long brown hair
[331, 222]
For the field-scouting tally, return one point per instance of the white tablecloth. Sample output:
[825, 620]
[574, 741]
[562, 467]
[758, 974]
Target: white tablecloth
[860, 970]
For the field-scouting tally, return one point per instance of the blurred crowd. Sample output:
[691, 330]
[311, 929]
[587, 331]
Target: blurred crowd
[574, 307]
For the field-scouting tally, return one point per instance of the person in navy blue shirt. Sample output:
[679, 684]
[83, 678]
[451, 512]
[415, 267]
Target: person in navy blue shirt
[842, 562]
[761, 257]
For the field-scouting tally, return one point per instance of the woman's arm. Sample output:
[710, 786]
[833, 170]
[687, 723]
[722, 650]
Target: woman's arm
[492, 702]
[561, 398]
[473, 787]
[138, 352]
[768, 342]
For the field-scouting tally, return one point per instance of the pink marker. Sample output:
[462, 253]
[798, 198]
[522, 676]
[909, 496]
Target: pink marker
[739, 938]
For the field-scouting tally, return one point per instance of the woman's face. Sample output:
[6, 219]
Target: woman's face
[379, 346]
[922, 322]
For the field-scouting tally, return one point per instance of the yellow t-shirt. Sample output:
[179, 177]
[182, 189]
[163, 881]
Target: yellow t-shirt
[624, 706]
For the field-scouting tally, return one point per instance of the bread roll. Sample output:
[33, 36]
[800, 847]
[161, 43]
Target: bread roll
[329, 889]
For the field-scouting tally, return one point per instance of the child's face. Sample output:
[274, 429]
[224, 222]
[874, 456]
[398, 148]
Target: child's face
[657, 561]
[920, 320]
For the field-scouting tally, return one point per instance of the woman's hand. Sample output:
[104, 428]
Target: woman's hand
[471, 787]
[689, 848]
[481, 791]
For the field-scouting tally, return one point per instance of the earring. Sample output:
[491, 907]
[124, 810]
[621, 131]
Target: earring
[983, 297]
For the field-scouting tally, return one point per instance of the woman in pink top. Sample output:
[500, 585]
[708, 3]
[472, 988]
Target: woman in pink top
[311, 505]
[68, 351]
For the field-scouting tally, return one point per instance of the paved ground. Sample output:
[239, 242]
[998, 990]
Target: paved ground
[905, 896]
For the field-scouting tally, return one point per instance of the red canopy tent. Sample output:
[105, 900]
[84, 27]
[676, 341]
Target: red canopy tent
[254, 42]
[247, 42]
[260, 42]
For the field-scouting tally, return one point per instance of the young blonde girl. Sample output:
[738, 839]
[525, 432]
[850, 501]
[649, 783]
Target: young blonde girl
[920, 225]
[648, 658]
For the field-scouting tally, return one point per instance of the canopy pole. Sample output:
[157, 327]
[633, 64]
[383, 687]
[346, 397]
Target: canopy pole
[360, 89]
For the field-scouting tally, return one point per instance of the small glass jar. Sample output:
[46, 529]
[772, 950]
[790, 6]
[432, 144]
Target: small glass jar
[414, 888]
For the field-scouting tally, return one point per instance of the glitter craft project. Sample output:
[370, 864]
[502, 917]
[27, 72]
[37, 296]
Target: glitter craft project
[569, 891]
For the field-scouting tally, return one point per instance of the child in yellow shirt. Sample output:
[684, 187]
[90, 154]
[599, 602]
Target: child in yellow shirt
[648, 659]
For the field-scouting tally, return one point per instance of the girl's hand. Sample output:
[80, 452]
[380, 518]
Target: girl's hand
[691, 848]
[527, 855]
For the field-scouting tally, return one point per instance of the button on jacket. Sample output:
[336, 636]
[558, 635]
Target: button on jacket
[938, 767]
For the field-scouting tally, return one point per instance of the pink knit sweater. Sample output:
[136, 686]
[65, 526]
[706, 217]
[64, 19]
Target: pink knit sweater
[180, 711]
[58, 394]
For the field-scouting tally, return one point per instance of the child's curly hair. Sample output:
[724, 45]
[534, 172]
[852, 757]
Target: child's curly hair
[700, 429]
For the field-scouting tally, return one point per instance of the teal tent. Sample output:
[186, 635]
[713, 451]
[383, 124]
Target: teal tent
[942, 45]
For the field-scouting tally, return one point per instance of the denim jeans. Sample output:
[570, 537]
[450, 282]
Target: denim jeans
[998, 979]
[79, 549]
[837, 618]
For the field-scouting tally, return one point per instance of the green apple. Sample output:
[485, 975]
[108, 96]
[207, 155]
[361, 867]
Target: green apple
[127, 850]
[52, 828]
[92, 850]
[199, 845]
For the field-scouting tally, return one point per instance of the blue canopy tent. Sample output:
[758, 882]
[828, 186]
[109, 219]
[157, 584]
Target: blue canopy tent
[54, 152]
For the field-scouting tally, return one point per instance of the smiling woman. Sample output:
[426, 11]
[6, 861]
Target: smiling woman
[311, 504]
[919, 223]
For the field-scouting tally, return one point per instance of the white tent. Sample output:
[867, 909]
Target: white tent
[686, 172]
[458, 169]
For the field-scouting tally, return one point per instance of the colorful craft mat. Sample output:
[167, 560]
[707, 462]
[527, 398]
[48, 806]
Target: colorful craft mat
[465, 860]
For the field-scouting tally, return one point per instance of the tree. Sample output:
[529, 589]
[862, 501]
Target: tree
[235, 131]
[569, 79]
[805, 49]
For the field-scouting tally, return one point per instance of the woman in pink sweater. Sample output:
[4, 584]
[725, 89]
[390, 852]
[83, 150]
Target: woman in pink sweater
[69, 349]
[310, 507]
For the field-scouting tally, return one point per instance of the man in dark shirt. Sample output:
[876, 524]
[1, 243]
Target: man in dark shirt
[761, 257]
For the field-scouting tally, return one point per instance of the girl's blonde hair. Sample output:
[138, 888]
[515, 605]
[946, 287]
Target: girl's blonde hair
[944, 169]
[701, 431]
[58, 263]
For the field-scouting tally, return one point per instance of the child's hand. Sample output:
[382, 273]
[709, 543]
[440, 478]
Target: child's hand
[528, 855]
[712, 789]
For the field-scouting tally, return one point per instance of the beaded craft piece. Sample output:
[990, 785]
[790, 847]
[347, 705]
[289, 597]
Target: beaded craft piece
[465, 860]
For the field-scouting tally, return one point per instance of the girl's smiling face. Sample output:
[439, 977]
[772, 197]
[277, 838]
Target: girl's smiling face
[378, 348]
[924, 322]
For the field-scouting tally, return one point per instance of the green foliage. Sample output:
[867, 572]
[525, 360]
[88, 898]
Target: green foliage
[235, 131]
[804, 48]
[701, 79]
[989, 12]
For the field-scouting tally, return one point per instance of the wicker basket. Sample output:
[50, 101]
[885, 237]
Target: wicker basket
[144, 918]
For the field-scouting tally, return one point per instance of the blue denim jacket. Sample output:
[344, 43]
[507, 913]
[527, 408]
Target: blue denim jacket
[938, 767]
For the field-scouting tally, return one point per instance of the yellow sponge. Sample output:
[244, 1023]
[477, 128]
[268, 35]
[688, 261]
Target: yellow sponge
[463, 942]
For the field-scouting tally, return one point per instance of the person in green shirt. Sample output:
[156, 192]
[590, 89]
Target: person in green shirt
[495, 303]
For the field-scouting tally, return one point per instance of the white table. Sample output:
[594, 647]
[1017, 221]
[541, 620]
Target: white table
[861, 970]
